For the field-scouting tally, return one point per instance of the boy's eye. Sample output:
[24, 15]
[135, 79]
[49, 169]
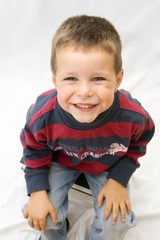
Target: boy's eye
[71, 78]
[98, 79]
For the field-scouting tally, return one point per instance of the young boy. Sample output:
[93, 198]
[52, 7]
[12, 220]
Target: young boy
[84, 125]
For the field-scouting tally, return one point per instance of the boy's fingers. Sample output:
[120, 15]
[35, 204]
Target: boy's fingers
[115, 214]
[108, 210]
[30, 222]
[123, 212]
[99, 200]
[42, 224]
[36, 225]
[25, 214]
[128, 206]
[53, 216]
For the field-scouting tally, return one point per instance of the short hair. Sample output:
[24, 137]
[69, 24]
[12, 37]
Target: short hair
[86, 32]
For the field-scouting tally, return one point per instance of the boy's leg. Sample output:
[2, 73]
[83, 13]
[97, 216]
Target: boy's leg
[61, 180]
[105, 230]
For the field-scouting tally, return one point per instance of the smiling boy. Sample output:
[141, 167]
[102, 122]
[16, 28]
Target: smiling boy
[84, 125]
[88, 80]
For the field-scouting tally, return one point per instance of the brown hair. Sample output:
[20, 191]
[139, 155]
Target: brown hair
[87, 32]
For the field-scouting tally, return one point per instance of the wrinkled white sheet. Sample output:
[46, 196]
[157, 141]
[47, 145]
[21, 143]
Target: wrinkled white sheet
[26, 29]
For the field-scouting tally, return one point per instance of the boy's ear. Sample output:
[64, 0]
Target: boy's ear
[119, 78]
[54, 79]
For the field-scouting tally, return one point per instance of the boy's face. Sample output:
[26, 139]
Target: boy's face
[85, 82]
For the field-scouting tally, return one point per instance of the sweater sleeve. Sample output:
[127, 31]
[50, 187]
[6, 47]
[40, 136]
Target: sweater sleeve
[36, 179]
[37, 157]
[125, 167]
[37, 154]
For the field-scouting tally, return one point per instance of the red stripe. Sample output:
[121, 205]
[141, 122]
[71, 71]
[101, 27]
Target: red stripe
[50, 105]
[55, 131]
[29, 138]
[134, 156]
[128, 104]
[92, 168]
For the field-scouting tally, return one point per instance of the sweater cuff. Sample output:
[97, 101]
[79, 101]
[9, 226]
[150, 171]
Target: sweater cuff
[122, 173]
[36, 180]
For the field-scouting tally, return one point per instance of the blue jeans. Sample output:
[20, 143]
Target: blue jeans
[61, 180]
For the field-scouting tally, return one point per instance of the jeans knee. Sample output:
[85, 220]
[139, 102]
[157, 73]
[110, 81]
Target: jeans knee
[119, 226]
[51, 225]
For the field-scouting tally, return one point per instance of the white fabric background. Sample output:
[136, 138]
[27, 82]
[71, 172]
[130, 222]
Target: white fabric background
[26, 29]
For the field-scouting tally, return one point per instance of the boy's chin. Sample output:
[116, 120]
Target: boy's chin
[84, 120]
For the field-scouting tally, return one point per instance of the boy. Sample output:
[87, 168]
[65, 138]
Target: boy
[84, 125]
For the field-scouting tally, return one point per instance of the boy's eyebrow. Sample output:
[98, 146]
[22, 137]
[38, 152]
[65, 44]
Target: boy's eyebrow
[102, 72]
[69, 73]
[106, 73]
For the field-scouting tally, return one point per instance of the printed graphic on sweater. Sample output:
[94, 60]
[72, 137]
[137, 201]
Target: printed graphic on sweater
[114, 148]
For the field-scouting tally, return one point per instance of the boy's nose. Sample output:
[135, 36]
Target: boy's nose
[84, 90]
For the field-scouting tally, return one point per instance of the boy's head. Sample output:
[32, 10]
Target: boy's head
[87, 32]
[86, 65]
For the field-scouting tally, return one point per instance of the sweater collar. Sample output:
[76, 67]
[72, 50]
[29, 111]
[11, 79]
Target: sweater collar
[103, 118]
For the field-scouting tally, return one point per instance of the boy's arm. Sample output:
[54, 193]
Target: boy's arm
[125, 167]
[36, 179]
[37, 157]
[114, 191]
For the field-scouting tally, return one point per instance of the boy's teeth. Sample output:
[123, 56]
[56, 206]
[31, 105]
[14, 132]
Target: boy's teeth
[84, 105]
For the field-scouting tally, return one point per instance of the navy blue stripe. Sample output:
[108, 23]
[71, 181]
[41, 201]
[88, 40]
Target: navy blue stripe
[94, 144]
[32, 154]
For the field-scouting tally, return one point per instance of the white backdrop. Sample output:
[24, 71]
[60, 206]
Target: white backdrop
[26, 29]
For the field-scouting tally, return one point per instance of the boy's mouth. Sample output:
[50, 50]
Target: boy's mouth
[84, 107]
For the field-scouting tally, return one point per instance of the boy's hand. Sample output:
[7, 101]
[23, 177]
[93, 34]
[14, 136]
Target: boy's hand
[116, 200]
[38, 207]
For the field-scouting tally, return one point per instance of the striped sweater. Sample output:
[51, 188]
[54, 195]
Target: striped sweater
[113, 142]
